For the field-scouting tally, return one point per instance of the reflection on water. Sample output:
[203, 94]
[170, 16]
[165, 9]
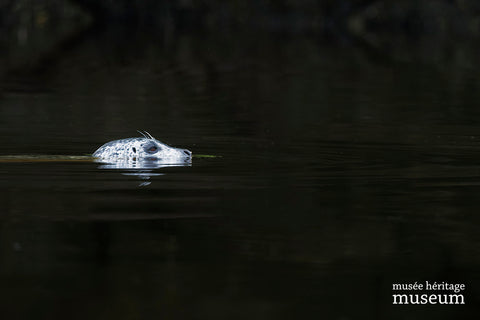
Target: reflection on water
[144, 169]
[337, 174]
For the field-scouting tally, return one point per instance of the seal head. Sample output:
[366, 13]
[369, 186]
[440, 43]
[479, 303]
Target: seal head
[145, 148]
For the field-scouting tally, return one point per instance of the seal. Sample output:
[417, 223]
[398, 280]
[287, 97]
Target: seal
[141, 149]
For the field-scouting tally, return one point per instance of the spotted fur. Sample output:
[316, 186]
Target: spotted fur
[141, 149]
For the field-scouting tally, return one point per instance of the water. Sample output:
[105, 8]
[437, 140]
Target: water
[337, 173]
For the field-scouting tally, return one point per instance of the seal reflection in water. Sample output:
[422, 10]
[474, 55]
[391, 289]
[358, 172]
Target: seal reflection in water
[141, 153]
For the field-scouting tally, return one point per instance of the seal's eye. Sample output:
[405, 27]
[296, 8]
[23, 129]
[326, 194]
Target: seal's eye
[134, 150]
[151, 148]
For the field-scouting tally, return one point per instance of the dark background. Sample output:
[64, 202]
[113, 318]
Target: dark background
[346, 143]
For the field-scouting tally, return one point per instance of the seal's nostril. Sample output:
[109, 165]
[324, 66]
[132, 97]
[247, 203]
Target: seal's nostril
[188, 153]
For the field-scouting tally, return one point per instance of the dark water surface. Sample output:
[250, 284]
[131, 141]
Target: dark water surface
[338, 174]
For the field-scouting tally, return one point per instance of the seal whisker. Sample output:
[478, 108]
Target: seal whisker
[149, 135]
[143, 134]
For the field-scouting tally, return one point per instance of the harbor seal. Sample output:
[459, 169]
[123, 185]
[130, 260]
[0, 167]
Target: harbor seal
[141, 149]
